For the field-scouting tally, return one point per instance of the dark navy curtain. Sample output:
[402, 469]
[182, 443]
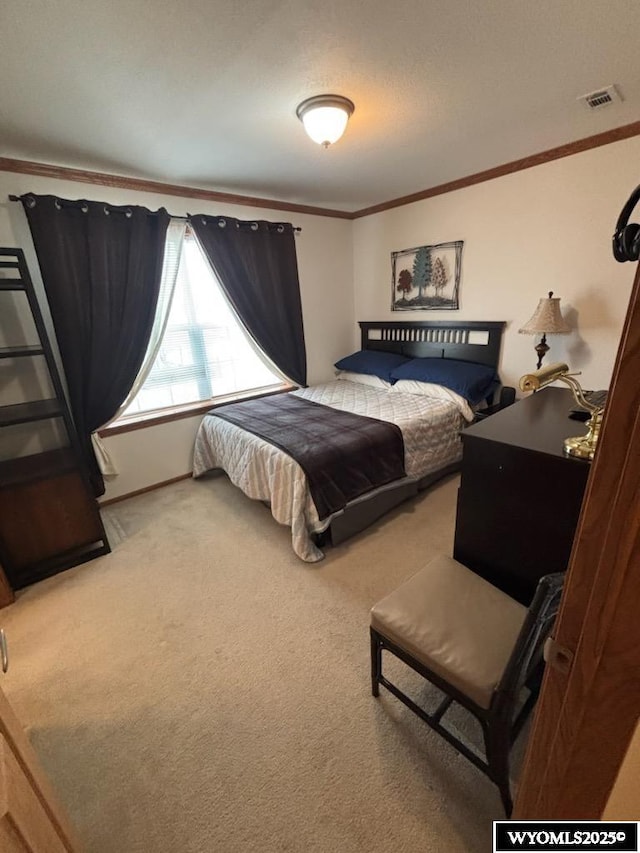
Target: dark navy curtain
[101, 266]
[257, 267]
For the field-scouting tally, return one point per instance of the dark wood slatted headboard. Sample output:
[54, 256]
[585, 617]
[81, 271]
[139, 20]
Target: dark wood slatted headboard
[475, 340]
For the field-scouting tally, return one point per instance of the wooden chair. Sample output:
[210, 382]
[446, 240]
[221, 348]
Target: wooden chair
[474, 643]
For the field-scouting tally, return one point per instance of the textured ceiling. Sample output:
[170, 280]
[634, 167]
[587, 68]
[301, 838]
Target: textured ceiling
[203, 92]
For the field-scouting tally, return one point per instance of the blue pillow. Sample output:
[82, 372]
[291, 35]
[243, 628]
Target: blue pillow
[472, 381]
[372, 362]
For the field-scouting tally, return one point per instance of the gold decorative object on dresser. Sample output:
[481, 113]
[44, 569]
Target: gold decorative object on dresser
[49, 518]
[583, 446]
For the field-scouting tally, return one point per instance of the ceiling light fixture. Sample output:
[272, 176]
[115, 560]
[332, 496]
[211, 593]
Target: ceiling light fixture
[325, 117]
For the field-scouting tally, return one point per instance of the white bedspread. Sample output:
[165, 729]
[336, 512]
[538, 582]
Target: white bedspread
[430, 429]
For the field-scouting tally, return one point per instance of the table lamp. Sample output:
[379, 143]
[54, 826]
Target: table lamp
[583, 446]
[546, 320]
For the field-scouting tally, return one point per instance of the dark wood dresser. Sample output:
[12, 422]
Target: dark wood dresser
[520, 496]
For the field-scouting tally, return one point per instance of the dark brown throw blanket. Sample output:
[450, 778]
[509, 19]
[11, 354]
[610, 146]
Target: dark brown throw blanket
[343, 455]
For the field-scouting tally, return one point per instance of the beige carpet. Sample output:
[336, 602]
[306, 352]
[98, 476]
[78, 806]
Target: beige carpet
[201, 689]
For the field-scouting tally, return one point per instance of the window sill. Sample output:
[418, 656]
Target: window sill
[178, 413]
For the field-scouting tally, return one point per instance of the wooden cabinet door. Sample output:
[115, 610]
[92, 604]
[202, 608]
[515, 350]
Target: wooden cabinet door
[31, 821]
[43, 520]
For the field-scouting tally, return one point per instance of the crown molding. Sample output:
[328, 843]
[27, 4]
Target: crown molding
[65, 173]
[577, 147]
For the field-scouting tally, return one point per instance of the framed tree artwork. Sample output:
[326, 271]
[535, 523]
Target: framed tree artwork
[426, 278]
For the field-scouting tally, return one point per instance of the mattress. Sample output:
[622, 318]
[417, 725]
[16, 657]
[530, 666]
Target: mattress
[430, 430]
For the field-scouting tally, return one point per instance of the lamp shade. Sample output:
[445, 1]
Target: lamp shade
[547, 319]
[325, 117]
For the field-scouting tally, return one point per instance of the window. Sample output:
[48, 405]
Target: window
[204, 353]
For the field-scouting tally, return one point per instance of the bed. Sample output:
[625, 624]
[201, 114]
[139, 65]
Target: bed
[429, 430]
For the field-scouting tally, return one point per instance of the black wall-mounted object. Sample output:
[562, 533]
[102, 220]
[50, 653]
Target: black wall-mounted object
[626, 238]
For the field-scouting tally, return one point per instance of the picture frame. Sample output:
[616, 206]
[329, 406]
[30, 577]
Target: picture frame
[427, 278]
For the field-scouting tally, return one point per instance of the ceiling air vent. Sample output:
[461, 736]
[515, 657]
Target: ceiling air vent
[601, 98]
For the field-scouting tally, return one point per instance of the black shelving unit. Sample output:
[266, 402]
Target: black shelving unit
[17, 352]
[33, 410]
[49, 518]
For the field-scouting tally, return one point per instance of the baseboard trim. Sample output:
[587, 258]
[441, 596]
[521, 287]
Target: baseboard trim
[146, 489]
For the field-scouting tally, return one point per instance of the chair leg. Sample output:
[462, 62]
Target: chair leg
[497, 740]
[376, 663]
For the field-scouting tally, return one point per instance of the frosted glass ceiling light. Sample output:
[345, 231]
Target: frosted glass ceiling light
[325, 117]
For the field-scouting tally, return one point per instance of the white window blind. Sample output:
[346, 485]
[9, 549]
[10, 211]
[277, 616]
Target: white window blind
[205, 353]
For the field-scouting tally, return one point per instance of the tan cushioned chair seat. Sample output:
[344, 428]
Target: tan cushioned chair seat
[455, 623]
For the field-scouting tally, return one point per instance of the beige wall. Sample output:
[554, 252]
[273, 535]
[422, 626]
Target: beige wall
[325, 261]
[546, 228]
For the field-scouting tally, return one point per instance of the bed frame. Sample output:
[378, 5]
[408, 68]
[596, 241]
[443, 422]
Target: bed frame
[476, 341]
[472, 341]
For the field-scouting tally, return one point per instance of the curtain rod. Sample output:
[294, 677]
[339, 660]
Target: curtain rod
[297, 229]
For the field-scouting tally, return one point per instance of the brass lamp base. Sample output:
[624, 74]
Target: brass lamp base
[584, 446]
[580, 446]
